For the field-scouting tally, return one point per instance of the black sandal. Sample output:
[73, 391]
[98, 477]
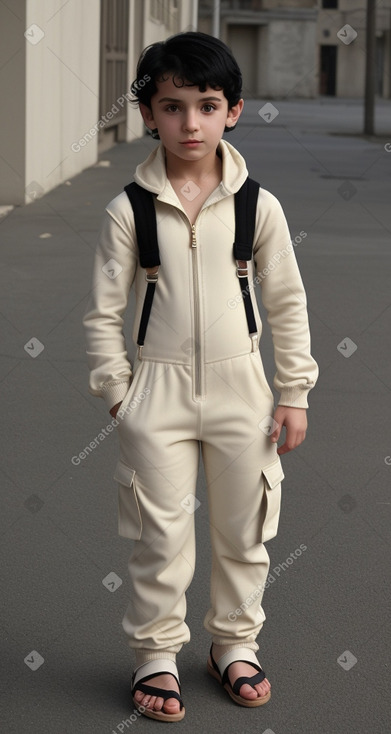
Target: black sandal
[219, 671]
[150, 670]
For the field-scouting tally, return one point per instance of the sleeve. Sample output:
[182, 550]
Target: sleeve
[284, 298]
[114, 269]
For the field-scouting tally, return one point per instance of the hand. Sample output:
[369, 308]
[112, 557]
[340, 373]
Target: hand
[295, 422]
[114, 409]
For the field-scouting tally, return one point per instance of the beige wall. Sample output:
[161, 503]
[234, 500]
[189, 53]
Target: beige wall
[49, 88]
[49, 91]
[62, 90]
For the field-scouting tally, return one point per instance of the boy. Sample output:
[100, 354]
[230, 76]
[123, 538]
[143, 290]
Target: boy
[198, 382]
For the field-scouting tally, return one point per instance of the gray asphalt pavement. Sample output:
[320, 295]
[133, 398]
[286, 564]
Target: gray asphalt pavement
[325, 644]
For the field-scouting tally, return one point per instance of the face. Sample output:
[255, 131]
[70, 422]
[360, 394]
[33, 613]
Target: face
[190, 123]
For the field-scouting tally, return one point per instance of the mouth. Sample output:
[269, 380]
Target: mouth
[191, 142]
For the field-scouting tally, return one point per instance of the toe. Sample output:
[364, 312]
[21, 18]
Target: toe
[171, 706]
[262, 688]
[157, 703]
[139, 695]
[247, 691]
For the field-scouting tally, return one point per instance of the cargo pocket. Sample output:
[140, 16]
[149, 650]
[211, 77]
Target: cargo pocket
[272, 475]
[129, 516]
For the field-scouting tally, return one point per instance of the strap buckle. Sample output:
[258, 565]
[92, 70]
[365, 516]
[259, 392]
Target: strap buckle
[241, 270]
[151, 277]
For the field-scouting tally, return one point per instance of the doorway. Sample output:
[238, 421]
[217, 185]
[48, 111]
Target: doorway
[328, 70]
[243, 40]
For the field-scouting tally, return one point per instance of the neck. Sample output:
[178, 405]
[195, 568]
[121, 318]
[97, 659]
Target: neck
[178, 169]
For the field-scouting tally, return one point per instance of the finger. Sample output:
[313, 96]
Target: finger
[283, 449]
[289, 443]
[292, 441]
[276, 433]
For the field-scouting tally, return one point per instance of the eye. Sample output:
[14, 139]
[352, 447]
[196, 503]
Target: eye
[208, 107]
[172, 108]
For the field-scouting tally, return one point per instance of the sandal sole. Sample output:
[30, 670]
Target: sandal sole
[158, 715]
[246, 702]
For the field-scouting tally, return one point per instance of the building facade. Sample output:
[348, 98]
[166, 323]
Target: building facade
[65, 75]
[341, 58]
[303, 48]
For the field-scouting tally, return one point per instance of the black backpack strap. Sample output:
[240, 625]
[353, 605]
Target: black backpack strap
[246, 200]
[146, 231]
[145, 222]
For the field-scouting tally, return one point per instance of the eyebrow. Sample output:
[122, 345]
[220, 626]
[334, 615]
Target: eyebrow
[203, 99]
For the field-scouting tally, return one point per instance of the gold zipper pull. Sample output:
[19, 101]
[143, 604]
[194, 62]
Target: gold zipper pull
[193, 236]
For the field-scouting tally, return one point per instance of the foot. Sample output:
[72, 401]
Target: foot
[155, 703]
[238, 670]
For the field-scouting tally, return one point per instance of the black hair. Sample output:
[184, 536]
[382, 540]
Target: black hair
[193, 59]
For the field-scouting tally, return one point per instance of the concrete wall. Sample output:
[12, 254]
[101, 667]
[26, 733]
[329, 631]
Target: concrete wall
[277, 59]
[292, 67]
[280, 57]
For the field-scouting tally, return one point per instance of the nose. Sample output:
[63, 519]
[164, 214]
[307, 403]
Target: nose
[191, 122]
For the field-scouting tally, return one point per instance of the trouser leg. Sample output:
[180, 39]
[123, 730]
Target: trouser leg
[162, 563]
[163, 464]
[243, 505]
[240, 562]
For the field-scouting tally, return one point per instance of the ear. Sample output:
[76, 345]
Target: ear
[147, 116]
[234, 113]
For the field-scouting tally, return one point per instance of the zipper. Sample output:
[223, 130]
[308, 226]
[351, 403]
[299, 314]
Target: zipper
[197, 326]
[193, 236]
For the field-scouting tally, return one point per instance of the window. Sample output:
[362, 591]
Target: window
[329, 3]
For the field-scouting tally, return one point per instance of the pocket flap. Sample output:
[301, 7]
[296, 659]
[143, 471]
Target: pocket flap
[273, 473]
[124, 474]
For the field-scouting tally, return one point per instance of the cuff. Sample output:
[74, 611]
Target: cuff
[294, 397]
[222, 641]
[114, 392]
[145, 656]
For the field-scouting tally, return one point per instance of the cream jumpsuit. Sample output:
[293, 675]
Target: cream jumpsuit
[198, 384]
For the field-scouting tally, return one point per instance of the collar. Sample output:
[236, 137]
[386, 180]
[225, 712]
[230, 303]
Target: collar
[151, 174]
